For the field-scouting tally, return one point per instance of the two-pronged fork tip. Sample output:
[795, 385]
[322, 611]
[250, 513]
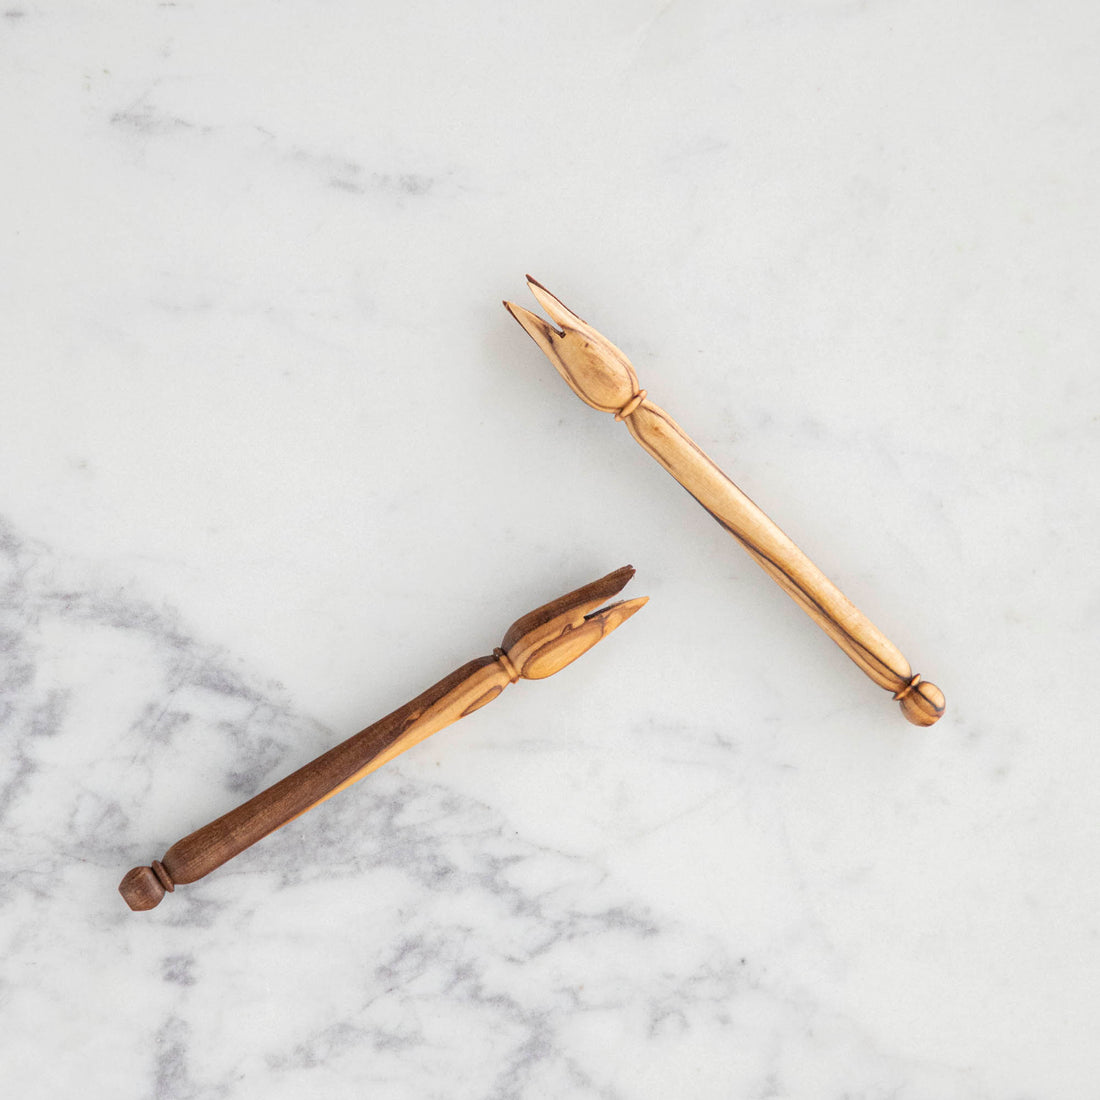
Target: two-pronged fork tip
[596, 370]
[554, 635]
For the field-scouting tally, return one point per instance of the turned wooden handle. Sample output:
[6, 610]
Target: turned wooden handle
[535, 646]
[602, 376]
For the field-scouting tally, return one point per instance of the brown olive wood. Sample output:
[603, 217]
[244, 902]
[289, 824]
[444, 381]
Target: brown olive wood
[535, 646]
[602, 376]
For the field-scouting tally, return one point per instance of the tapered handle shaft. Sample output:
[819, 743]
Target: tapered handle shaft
[660, 435]
[208, 848]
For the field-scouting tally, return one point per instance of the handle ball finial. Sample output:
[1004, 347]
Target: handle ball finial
[921, 702]
[141, 888]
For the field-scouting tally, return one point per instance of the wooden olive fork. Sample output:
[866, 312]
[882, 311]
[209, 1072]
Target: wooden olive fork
[536, 646]
[603, 377]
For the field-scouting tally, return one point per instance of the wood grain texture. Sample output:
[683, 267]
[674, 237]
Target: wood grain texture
[537, 645]
[602, 376]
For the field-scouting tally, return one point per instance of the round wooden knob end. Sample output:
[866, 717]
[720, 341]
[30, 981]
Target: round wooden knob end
[921, 702]
[141, 889]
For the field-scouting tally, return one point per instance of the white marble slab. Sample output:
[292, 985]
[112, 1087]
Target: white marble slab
[273, 459]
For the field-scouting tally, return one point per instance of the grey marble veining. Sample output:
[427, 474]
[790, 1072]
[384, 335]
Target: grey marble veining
[273, 459]
[414, 938]
[474, 921]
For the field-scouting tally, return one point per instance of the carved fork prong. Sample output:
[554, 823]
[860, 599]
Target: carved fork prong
[554, 306]
[538, 328]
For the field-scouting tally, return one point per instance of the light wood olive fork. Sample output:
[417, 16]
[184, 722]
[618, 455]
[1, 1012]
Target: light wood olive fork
[603, 377]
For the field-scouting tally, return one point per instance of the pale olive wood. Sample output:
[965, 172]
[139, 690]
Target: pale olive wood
[536, 646]
[602, 376]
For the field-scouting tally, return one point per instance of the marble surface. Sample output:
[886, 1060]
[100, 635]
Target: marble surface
[275, 459]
